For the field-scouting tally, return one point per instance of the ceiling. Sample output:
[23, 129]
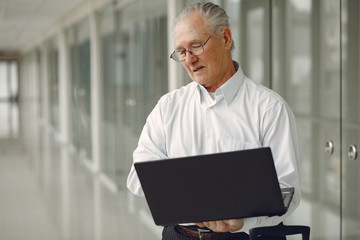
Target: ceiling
[22, 20]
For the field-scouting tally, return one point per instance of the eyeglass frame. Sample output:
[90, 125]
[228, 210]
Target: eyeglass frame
[188, 50]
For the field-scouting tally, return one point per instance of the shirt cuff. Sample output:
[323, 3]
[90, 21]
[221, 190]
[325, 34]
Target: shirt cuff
[249, 223]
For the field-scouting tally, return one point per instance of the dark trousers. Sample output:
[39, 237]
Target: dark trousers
[171, 233]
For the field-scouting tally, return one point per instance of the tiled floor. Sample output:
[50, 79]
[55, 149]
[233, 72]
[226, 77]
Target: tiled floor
[60, 199]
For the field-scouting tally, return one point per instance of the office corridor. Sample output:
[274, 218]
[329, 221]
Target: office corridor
[38, 204]
[78, 79]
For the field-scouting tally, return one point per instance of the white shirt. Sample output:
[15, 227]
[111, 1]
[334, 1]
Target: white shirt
[243, 115]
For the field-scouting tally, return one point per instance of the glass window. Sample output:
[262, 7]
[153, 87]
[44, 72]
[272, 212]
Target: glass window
[53, 75]
[3, 81]
[9, 111]
[80, 87]
[134, 77]
[142, 45]
[108, 95]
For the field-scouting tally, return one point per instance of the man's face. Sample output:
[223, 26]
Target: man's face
[210, 68]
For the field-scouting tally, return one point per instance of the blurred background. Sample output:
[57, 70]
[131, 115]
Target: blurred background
[79, 77]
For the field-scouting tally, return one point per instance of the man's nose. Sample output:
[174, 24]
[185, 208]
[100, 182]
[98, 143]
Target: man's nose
[190, 58]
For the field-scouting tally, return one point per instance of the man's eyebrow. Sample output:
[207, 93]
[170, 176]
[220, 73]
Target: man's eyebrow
[179, 48]
[190, 43]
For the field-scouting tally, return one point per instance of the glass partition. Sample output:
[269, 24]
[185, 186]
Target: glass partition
[108, 95]
[306, 72]
[350, 119]
[134, 77]
[9, 108]
[141, 47]
[80, 87]
[292, 70]
[255, 40]
[31, 107]
[53, 75]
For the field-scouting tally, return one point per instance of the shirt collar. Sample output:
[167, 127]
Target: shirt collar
[228, 89]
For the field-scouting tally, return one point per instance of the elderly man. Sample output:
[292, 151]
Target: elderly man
[221, 110]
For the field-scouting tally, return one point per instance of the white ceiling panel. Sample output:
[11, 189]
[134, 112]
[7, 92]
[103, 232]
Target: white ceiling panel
[21, 21]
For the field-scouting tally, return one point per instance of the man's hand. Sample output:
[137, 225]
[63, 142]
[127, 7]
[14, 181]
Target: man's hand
[223, 225]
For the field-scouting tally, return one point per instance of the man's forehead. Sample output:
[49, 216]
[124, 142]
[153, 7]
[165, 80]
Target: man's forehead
[190, 30]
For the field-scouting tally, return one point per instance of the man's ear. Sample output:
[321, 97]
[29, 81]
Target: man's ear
[227, 38]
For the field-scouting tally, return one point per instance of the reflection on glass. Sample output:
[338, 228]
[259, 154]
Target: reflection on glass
[80, 87]
[53, 83]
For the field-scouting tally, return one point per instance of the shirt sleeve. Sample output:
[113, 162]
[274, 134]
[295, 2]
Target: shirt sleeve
[280, 133]
[151, 145]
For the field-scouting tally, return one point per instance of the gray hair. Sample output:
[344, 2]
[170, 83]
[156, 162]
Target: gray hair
[215, 15]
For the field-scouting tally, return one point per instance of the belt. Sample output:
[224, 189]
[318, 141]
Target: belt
[202, 233]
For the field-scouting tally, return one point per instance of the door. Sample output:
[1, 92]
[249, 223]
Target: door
[350, 119]
[306, 72]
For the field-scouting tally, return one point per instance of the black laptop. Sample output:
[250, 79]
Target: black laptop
[212, 187]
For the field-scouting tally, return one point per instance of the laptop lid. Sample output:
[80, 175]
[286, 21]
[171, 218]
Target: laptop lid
[211, 187]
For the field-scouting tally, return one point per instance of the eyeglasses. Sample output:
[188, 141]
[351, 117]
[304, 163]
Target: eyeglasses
[195, 49]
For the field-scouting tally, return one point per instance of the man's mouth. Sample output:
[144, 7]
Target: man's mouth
[197, 69]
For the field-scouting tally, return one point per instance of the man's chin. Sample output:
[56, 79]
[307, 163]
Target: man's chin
[200, 81]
